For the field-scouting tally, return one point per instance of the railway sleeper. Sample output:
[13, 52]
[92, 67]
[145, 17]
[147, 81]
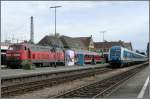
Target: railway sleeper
[110, 83]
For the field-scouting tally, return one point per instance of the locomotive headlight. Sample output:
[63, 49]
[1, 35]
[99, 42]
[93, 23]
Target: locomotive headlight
[8, 54]
[16, 54]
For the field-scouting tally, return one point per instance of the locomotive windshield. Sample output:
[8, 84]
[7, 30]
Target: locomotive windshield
[16, 47]
[115, 51]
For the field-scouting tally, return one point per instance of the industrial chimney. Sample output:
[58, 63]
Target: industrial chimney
[32, 31]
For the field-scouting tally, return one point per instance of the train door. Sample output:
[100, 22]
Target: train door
[81, 59]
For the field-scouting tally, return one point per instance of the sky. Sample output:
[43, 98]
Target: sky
[122, 20]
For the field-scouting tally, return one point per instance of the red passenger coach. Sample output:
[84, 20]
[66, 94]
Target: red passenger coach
[98, 58]
[39, 55]
[89, 57]
[93, 57]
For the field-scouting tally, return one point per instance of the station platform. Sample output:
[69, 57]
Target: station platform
[133, 87]
[7, 73]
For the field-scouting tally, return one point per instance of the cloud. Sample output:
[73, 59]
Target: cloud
[121, 19]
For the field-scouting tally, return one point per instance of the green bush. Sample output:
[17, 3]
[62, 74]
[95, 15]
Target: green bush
[27, 64]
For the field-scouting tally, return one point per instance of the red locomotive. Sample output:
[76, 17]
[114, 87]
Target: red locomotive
[39, 55]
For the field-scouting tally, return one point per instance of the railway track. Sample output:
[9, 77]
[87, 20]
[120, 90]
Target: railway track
[102, 88]
[12, 88]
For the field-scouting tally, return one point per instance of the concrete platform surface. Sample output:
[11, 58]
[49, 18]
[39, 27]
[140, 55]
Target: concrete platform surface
[132, 87]
[6, 73]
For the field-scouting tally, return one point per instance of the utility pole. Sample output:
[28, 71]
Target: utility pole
[55, 16]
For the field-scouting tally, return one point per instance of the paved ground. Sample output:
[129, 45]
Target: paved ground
[19, 72]
[132, 87]
[147, 93]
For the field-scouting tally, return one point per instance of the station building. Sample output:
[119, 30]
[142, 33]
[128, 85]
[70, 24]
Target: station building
[72, 43]
[87, 41]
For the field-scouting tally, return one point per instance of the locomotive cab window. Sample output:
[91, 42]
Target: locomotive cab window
[16, 47]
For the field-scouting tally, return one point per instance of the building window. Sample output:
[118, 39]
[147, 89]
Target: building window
[107, 50]
[103, 50]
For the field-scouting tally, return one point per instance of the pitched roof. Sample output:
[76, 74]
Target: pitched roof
[51, 41]
[70, 42]
[85, 40]
[106, 44]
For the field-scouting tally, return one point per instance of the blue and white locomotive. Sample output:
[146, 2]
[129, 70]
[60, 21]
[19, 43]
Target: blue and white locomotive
[119, 56]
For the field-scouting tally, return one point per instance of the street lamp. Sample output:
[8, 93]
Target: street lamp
[55, 29]
[55, 16]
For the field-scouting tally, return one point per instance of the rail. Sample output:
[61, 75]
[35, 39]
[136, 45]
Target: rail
[99, 89]
[17, 86]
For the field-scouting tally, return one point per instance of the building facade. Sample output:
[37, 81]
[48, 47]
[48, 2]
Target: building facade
[105, 46]
[87, 41]
[50, 40]
[72, 43]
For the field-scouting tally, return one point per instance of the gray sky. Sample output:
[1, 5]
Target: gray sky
[122, 20]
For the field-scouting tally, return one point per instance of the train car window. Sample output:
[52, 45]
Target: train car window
[104, 50]
[51, 50]
[131, 55]
[87, 56]
[125, 54]
[90, 56]
[134, 55]
[93, 56]
[128, 54]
